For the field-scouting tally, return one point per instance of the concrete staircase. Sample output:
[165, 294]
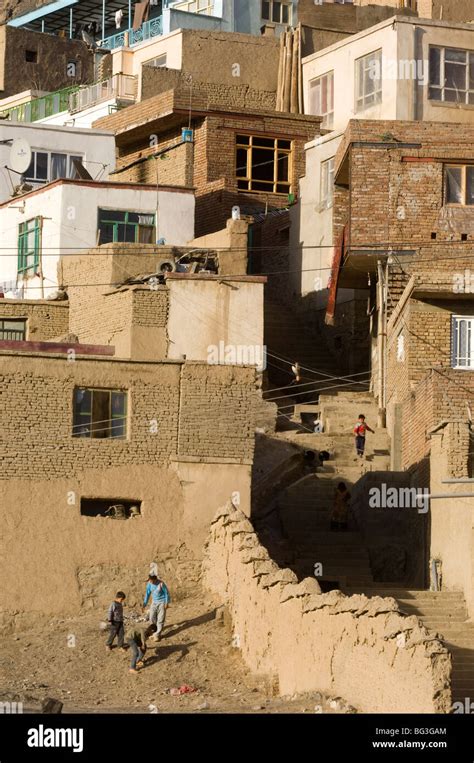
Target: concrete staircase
[305, 509]
[443, 612]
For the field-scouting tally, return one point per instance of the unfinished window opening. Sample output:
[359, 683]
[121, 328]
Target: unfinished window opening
[113, 508]
[12, 330]
[433, 236]
[368, 76]
[321, 98]
[263, 164]
[463, 236]
[459, 184]
[117, 226]
[463, 342]
[100, 413]
[451, 75]
[31, 56]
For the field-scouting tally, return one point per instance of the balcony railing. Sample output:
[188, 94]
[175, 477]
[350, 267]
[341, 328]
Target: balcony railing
[121, 86]
[129, 37]
[40, 108]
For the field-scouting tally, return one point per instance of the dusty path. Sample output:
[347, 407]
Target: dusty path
[68, 661]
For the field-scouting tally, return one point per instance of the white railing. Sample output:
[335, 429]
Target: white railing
[120, 86]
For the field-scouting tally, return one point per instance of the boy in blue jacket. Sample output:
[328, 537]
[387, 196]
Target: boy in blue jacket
[160, 598]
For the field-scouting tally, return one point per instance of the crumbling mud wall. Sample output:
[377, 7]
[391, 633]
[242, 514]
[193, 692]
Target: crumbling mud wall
[363, 649]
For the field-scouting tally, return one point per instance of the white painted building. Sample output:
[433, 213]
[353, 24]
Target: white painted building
[71, 216]
[404, 68]
[53, 150]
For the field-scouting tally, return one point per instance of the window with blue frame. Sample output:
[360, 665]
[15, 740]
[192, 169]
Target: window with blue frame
[120, 226]
[29, 246]
[100, 413]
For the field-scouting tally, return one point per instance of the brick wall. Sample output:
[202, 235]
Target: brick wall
[440, 396]
[201, 411]
[213, 173]
[44, 320]
[49, 72]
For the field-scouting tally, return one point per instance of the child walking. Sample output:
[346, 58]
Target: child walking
[115, 618]
[360, 430]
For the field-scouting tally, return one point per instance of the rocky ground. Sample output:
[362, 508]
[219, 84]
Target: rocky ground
[68, 661]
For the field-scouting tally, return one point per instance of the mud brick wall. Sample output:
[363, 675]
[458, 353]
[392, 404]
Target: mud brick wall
[378, 658]
[217, 411]
[49, 72]
[44, 320]
[36, 402]
[150, 307]
[209, 163]
[397, 192]
[440, 396]
[201, 411]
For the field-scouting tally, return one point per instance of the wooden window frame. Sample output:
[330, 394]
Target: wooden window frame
[283, 3]
[24, 231]
[105, 431]
[328, 116]
[4, 330]
[463, 168]
[442, 88]
[125, 221]
[274, 151]
[361, 95]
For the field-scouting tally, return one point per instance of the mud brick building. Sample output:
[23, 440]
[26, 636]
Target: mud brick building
[177, 433]
[242, 152]
[33, 320]
[404, 227]
[42, 62]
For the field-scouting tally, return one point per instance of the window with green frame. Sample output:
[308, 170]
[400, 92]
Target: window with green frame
[118, 226]
[100, 413]
[29, 246]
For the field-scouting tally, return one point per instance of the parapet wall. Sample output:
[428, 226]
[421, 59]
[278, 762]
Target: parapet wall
[364, 650]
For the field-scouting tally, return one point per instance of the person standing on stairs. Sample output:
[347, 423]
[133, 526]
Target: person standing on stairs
[340, 512]
[360, 430]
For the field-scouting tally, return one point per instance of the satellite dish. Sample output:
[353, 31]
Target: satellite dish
[20, 156]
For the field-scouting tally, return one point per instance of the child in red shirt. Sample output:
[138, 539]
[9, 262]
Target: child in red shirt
[359, 430]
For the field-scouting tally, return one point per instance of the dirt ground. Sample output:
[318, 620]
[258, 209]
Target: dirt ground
[68, 661]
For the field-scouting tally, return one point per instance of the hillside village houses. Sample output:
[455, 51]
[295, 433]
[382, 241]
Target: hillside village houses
[228, 229]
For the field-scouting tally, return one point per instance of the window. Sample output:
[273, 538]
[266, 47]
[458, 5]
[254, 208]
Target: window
[31, 56]
[451, 75]
[12, 329]
[29, 246]
[277, 12]
[157, 62]
[46, 166]
[321, 98]
[196, 6]
[263, 164]
[120, 226]
[459, 184]
[368, 80]
[327, 182]
[100, 413]
[463, 342]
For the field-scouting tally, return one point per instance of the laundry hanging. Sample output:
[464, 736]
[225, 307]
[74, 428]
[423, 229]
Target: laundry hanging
[118, 19]
[140, 14]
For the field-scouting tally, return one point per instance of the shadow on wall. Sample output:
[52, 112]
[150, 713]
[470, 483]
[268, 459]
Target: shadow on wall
[394, 526]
